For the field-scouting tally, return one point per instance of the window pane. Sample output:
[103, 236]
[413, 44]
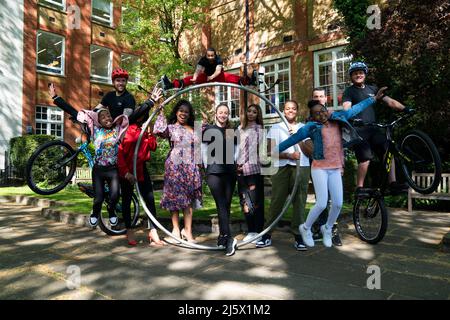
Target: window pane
[53, 3]
[131, 64]
[325, 57]
[101, 63]
[231, 97]
[50, 52]
[101, 11]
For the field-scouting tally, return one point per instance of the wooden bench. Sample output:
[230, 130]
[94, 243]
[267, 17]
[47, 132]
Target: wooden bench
[425, 179]
[82, 174]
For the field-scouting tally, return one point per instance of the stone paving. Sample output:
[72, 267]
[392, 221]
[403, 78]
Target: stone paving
[38, 258]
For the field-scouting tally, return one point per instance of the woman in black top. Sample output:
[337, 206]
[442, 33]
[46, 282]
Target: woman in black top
[221, 171]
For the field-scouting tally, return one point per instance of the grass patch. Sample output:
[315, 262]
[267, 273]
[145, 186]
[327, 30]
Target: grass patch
[76, 201]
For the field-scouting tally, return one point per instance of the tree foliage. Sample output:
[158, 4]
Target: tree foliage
[410, 54]
[155, 28]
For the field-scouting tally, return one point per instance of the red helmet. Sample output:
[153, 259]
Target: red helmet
[119, 73]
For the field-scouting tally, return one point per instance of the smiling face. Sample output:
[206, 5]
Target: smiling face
[319, 113]
[320, 96]
[120, 84]
[252, 114]
[290, 111]
[358, 77]
[105, 119]
[222, 114]
[183, 115]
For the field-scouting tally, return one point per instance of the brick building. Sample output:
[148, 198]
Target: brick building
[295, 41]
[72, 43]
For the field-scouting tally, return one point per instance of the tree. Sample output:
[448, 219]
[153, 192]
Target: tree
[155, 28]
[410, 54]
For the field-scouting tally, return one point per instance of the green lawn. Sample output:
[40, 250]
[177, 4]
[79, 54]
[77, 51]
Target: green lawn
[76, 201]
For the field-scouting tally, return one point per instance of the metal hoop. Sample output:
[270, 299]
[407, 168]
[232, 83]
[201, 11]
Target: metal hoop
[144, 128]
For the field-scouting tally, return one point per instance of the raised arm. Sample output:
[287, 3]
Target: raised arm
[302, 133]
[357, 108]
[60, 102]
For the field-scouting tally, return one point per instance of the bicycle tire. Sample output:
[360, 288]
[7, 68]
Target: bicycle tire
[360, 210]
[120, 228]
[45, 167]
[412, 140]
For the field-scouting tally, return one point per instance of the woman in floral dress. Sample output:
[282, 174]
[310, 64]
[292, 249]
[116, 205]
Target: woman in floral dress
[182, 176]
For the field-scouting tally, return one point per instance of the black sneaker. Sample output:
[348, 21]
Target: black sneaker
[336, 239]
[222, 241]
[317, 236]
[167, 85]
[113, 220]
[266, 241]
[231, 246]
[299, 244]
[93, 221]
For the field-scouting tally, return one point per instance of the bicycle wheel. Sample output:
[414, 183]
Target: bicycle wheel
[370, 218]
[418, 154]
[120, 228]
[51, 167]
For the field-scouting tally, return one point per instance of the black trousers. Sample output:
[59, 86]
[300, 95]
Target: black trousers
[100, 176]
[222, 187]
[255, 221]
[146, 189]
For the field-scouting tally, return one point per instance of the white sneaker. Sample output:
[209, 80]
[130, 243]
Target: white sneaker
[306, 235]
[326, 236]
[251, 235]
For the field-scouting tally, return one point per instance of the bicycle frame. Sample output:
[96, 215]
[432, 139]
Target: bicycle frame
[392, 152]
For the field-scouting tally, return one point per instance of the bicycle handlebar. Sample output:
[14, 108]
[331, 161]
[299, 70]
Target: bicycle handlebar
[360, 123]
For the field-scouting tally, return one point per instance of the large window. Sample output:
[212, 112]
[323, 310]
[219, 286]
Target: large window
[58, 4]
[330, 72]
[131, 64]
[229, 96]
[50, 52]
[49, 120]
[102, 11]
[279, 94]
[101, 64]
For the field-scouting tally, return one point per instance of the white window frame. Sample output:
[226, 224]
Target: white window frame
[50, 110]
[277, 97]
[59, 71]
[52, 3]
[101, 20]
[229, 100]
[138, 76]
[334, 61]
[100, 78]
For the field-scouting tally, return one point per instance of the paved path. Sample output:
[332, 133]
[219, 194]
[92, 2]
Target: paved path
[36, 256]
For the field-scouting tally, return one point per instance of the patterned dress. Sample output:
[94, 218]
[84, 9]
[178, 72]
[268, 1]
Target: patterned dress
[182, 175]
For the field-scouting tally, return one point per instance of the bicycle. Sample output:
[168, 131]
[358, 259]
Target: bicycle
[52, 166]
[415, 153]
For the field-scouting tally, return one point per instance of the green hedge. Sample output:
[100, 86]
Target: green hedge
[21, 148]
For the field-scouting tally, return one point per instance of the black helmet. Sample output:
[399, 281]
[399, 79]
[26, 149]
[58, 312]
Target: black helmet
[355, 66]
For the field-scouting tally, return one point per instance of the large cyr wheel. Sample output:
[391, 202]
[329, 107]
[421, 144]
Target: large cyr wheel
[370, 218]
[51, 167]
[120, 228]
[419, 155]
